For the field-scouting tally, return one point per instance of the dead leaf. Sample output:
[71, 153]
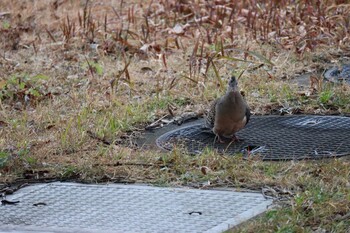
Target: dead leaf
[171, 110]
[146, 69]
[204, 170]
[3, 124]
[315, 85]
[2, 84]
[50, 126]
[178, 30]
[145, 48]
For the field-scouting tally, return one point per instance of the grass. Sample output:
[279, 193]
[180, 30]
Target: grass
[87, 68]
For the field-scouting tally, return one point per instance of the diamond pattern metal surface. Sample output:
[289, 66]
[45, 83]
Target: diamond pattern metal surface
[338, 74]
[67, 207]
[271, 138]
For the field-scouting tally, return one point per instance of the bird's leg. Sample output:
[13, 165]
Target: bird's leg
[220, 139]
[235, 138]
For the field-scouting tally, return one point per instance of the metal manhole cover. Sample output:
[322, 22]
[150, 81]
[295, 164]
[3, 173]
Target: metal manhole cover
[67, 207]
[272, 138]
[336, 74]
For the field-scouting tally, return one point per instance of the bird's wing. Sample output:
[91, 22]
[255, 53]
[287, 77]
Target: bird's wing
[247, 114]
[210, 118]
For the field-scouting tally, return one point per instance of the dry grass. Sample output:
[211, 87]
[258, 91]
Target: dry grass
[72, 68]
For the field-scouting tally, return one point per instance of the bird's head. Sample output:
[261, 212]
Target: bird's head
[232, 84]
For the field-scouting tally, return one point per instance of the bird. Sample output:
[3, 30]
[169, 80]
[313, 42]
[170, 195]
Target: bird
[229, 113]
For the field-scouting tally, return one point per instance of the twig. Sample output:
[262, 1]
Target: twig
[90, 67]
[123, 164]
[156, 123]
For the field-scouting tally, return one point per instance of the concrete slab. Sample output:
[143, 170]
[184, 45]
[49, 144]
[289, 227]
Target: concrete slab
[71, 207]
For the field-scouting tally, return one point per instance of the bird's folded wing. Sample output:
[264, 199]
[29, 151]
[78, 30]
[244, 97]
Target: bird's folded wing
[210, 118]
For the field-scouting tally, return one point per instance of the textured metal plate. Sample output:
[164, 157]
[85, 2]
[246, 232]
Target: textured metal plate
[126, 208]
[271, 138]
[336, 74]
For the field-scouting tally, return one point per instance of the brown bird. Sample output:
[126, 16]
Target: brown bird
[229, 113]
